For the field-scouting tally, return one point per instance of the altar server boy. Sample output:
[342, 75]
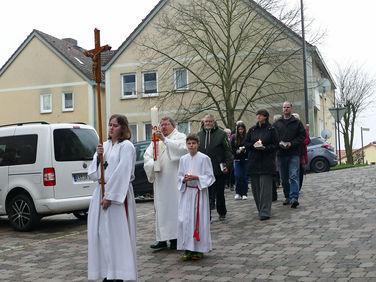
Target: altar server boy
[195, 175]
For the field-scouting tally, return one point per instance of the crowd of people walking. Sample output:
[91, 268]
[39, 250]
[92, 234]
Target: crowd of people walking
[189, 184]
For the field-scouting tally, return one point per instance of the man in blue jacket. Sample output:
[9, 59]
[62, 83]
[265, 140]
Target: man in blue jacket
[291, 135]
[215, 144]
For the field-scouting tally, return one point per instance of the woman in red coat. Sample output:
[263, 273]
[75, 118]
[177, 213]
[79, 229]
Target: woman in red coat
[303, 154]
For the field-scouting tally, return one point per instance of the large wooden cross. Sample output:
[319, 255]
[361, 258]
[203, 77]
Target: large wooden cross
[95, 55]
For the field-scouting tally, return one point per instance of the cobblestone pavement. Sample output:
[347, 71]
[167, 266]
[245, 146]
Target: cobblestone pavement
[331, 236]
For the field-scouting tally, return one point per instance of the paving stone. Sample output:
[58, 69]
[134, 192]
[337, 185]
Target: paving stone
[331, 236]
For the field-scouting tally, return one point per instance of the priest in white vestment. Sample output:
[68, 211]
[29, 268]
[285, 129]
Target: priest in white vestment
[170, 148]
[112, 219]
[195, 175]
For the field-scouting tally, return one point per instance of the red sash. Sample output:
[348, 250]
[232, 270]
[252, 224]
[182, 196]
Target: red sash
[196, 233]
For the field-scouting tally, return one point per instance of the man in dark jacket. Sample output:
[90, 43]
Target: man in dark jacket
[215, 144]
[291, 135]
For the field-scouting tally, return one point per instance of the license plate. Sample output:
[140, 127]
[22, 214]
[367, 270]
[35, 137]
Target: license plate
[80, 177]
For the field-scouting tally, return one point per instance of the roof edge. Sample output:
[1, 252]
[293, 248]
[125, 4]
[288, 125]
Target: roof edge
[135, 33]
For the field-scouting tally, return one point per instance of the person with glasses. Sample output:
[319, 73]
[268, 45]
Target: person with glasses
[171, 147]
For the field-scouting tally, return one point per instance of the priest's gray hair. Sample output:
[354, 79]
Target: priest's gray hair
[210, 116]
[173, 123]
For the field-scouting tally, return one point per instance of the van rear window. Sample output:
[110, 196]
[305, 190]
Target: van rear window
[73, 144]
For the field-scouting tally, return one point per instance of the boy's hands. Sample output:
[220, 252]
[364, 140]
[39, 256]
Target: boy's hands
[190, 177]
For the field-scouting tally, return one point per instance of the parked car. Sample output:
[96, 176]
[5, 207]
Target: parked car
[43, 171]
[143, 189]
[321, 155]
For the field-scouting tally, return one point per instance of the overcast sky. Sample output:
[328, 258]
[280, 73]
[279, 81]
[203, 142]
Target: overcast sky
[347, 23]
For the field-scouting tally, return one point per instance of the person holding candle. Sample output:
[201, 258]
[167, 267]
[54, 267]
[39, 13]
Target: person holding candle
[171, 147]
[291, 134]
[261, 143]
[195, 175]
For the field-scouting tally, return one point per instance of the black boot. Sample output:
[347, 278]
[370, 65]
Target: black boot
[159, 245]
[173, 244]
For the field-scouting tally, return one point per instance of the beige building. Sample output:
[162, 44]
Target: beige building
[57, 83]
[369, 152]
[48, 79]
[134, 85]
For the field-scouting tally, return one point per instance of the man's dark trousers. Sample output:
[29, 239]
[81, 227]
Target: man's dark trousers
[217, 194]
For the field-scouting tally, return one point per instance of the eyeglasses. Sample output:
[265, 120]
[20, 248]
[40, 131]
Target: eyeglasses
[165, 124]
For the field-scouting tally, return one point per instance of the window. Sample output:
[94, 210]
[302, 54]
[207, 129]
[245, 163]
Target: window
[180, 79]
[74, 144]
[140, 151]
[18, 150]
[134, 134]
[316, 141]
[45, 103]
[150, 84]
[147, 131]
[67, 102]
[129, 85]
[184, 127]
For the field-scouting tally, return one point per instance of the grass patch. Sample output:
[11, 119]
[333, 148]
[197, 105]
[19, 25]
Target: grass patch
[342, 166]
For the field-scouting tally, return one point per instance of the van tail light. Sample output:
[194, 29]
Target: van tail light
[49, 176]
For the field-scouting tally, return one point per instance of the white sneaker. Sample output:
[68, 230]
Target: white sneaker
[244, 197]
[237, 197]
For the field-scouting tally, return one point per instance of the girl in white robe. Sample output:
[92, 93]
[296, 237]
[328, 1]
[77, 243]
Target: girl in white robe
[112, 220]
[195, 175]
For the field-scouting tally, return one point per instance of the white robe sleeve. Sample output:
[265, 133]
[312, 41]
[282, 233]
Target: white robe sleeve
[181, 173]
[92, 171]
[117, 186]
[207, 178]
[176, 147]
[149, 163]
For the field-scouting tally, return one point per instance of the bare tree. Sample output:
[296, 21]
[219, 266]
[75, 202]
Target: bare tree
[355, 89]
[237, 54]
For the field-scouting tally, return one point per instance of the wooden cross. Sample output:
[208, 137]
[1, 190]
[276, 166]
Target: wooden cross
[95, 55]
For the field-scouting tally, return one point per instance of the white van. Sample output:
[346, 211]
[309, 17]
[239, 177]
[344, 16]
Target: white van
[43, 171]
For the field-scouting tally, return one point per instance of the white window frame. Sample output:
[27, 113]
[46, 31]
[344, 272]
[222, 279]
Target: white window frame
[134, 92]
[64, 109]
[42, 106]
[134, 133]
[143, 84]
[175, 80]
[144, 129]
[188, 126]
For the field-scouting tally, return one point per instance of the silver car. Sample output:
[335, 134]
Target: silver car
[321, 155]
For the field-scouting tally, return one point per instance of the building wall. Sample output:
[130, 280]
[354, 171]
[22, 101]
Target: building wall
[35, 71]
[370, 154]
[322, 118]
[137, 109]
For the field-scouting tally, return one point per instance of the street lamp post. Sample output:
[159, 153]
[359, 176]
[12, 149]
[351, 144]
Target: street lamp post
[304, 67]
[361, 137]
[337, 113]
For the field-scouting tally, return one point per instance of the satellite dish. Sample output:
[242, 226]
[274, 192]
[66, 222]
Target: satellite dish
[326, 134]
[324, 85]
